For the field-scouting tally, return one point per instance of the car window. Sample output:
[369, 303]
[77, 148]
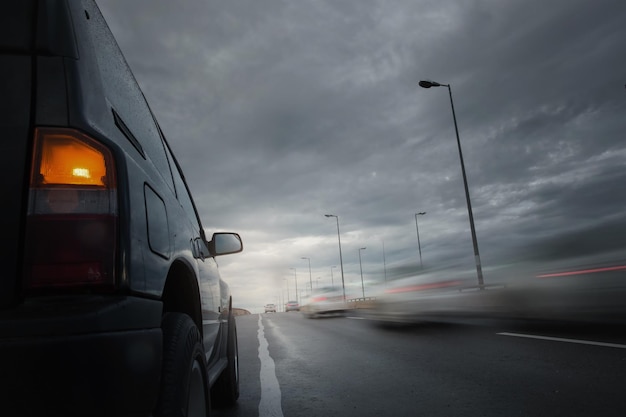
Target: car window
[182, 191]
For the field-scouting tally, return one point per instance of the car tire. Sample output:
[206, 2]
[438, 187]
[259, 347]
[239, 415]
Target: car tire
[183, 390]
[225, 392]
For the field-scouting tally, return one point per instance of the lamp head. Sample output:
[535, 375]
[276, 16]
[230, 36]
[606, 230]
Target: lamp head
[428, 84]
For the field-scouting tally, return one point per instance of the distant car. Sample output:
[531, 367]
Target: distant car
[292, 306]
[270, 308]
[325, 301]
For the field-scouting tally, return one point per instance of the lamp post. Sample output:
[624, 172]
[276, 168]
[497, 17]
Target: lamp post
[332, 280]
[310, 279]
[384, 262]
[419, 245]
[479, 271]
[343, 283]
[361, 267]
[287, 281]
[295, 277]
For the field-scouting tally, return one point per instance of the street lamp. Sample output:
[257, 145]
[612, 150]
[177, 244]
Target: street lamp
[479, 271]
[287, 281]
[361, 266]
[384, 262]
[295, 277]
[343, 283]
[332, 280]
[310, 279]
[419, 245]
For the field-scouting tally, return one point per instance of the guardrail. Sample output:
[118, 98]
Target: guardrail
[363, 302]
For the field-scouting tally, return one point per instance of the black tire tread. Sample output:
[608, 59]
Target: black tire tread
[182, 343]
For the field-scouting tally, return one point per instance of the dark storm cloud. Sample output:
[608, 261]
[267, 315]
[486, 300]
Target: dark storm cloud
[281, 112]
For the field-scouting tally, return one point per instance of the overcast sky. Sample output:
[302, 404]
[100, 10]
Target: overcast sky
[282, 111]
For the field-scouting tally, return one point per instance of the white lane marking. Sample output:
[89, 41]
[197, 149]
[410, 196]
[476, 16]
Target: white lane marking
[270, 404]
[558, 339]
[355, 318]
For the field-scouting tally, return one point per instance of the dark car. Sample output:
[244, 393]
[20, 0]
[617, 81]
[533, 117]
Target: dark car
[110, 298]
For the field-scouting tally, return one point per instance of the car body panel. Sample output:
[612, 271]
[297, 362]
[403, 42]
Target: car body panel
[14, 119]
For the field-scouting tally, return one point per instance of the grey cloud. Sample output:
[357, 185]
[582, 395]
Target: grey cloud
[282, 112]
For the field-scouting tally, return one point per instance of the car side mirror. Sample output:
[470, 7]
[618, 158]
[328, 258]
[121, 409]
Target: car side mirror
[225, 243]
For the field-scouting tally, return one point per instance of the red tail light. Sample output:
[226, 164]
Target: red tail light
[71, 229]
[319, 299]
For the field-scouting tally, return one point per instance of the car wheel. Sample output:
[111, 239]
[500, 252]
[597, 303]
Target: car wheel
[225, 392]
[183, 390]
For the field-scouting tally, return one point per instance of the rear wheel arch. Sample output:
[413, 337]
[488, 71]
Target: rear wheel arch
[181, 293]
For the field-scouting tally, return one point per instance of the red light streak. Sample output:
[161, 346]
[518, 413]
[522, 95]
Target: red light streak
[583, 271]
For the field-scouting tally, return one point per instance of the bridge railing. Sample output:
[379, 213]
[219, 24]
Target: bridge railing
[362, 302]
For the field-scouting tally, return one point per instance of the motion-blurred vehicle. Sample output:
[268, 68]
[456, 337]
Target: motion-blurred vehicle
[408, 300]
[270, 308]
[564, 291]
[292, 306]
[324, 301]
[111, 302]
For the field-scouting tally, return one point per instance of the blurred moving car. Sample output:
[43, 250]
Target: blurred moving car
[564, 292]
[292, 306]
[270, 308]
[111, 302]
[407, 300]
[324, 301]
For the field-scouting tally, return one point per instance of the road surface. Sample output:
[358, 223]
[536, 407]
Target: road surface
[346, 366]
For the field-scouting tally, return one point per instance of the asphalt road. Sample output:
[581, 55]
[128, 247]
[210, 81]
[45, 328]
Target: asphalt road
[343, 366]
